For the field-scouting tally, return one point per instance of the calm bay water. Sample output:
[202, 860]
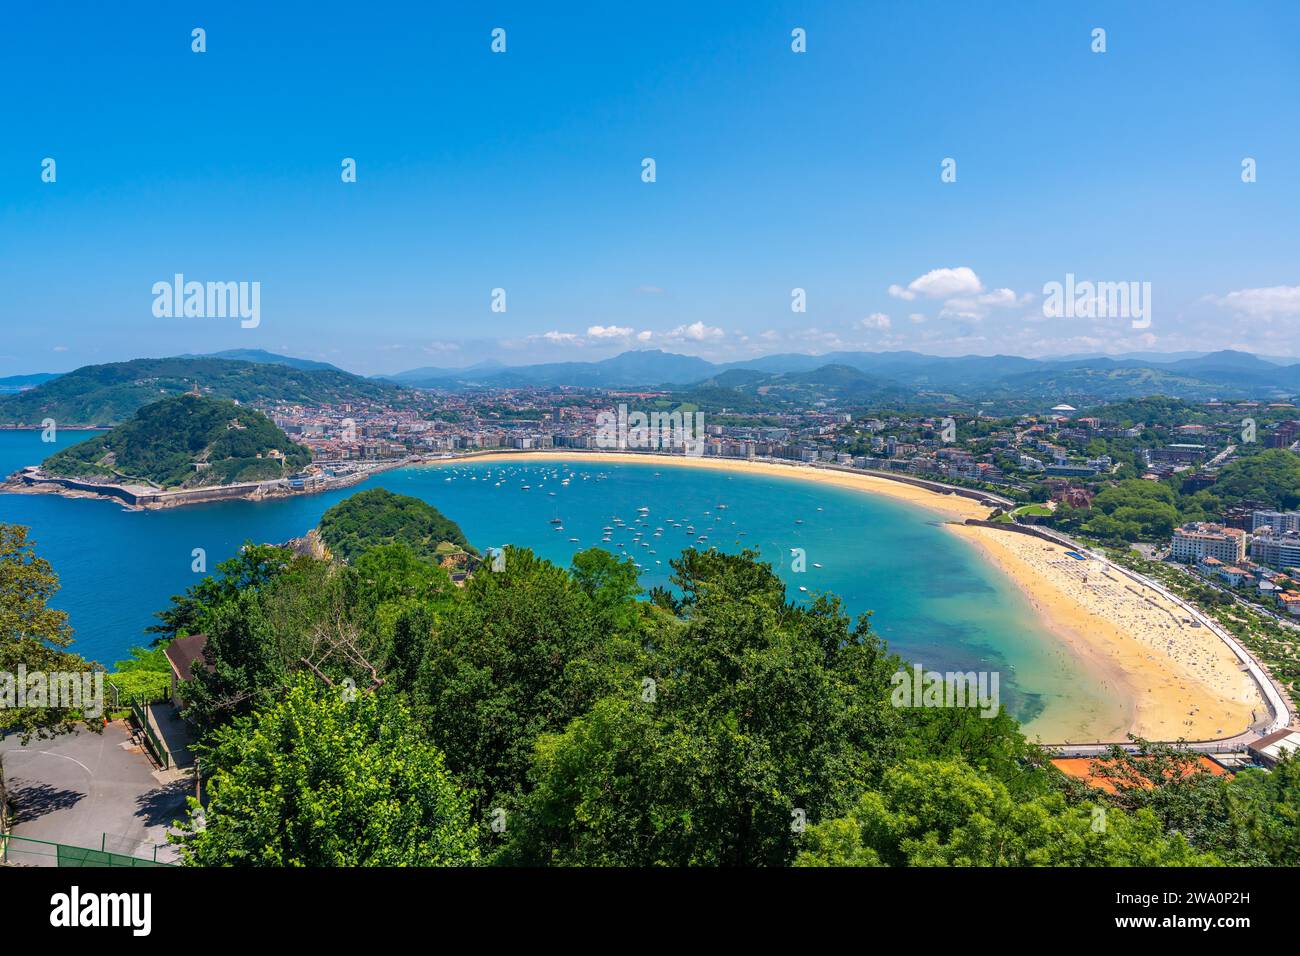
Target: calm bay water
[930, 595]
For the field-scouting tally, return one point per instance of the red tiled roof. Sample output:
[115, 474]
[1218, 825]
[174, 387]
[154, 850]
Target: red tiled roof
[1092, 770]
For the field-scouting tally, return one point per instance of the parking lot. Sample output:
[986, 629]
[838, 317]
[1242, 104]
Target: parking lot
[93, 790]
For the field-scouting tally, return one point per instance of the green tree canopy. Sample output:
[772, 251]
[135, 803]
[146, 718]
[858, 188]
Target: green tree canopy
[1272, 477]
[377, 516]
[250, 570]
[943, 813]
[747, 713]
[522, 653]
[318, 779]
[32, 634]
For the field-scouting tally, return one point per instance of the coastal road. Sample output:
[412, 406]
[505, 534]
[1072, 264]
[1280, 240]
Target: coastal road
[1278, 619]
[1228, 745]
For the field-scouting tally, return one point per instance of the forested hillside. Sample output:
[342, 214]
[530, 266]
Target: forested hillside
[544, 716]
[186, 441]
[377, 517]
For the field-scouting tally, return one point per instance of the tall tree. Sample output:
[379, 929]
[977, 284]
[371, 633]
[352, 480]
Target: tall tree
[522, 653]
[252, 568]
[33, 635]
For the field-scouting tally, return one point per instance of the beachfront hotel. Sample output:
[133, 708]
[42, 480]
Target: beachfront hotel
[1200, 539]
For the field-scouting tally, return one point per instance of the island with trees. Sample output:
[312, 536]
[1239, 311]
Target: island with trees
[187, 449]
[377, 517]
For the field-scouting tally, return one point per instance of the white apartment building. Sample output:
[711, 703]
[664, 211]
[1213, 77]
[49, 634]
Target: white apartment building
[1201, 539]
[1276, 550]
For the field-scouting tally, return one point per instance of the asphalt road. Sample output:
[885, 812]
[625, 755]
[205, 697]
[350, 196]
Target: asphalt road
[76, 788]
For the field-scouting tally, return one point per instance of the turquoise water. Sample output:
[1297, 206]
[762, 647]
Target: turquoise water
[930, 595]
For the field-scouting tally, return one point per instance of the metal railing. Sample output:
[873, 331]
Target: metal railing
[24, 851]
[156, 746]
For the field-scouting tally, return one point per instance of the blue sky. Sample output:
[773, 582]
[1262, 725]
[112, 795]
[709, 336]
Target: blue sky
[522, 171]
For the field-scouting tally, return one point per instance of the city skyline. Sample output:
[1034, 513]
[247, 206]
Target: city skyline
[523, 171]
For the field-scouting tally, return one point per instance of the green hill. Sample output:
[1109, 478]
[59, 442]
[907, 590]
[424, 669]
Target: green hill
[108, 394]
[376, 517]
[186, 442]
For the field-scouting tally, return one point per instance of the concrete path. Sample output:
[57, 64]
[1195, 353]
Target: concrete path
[173, 731]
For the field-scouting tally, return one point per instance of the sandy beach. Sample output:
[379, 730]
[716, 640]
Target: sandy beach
[1170, 679]
[1181, 680]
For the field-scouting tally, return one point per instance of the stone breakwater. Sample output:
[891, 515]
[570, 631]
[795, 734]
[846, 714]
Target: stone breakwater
[144, 497]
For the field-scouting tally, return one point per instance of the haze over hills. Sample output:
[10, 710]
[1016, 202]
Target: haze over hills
[647, 367]
[1186, 375]
[263, 357]
[433, 373]
[15, 383]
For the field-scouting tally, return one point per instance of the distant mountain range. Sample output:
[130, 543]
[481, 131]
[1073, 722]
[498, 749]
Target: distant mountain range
[16, 383]
[107, 394]
[1186, 375]
[649, 367]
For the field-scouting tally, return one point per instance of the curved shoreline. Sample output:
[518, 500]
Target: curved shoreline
[960, 503]
[1194, 686]
[1152, 690]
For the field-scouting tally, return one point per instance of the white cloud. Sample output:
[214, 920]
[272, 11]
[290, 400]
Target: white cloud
[962, 292]
[962, 309]
[998, 297]
[940, 284]
[876, 320]
[1273, 301]
[436, 348]
[977, 306]
[697, 332]
[825, 339]
[560, 338]
[645, 336]
[609, 331]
